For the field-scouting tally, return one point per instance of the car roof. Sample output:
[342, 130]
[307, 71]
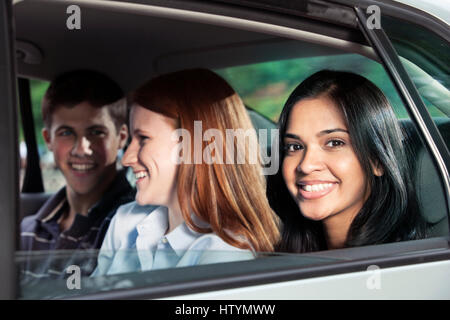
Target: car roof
[127, 40]
[439, 9]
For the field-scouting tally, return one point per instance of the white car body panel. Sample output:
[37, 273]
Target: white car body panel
[439, 9]
[419, 281]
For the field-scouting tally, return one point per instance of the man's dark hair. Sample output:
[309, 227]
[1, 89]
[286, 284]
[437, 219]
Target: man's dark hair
[74, 87]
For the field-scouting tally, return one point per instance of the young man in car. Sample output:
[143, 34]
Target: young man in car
[85, 117]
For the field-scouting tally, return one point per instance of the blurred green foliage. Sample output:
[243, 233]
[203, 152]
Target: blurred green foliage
[38, 89]
[265, 87]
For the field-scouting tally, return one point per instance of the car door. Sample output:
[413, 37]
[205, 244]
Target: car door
[346, 273]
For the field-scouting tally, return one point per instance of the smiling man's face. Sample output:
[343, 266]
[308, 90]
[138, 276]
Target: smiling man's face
[85, 142]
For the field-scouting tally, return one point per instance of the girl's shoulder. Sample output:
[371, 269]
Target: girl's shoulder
[133, 209]
[210, 248]
[130, 214]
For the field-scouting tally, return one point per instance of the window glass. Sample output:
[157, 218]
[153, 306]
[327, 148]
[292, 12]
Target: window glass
[425, 57]
[266, 86]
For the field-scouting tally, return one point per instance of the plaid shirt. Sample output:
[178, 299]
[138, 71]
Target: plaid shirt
[53, 250]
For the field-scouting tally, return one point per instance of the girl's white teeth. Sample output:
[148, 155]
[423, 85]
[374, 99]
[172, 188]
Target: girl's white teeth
[141, 174]
[316, 187]
[82, 167]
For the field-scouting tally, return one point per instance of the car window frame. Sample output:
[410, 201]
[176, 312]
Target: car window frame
[415, 106]
[32, 182]
[9, 167]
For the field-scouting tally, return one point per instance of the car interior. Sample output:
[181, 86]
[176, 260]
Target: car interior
[132, 43]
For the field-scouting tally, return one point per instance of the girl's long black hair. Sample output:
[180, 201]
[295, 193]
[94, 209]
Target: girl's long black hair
[391, 212]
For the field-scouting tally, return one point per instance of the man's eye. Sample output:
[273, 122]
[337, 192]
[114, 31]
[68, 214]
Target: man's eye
[335, 143]
[96, 132]
[292, 147]
[64, 133]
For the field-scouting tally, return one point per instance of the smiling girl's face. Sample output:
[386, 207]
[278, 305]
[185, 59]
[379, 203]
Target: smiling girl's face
[149, 156]
[320, 168]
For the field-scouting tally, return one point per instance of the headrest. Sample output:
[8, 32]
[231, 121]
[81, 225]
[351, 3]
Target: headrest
[429, 189]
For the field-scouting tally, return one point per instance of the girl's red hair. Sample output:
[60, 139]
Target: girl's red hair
[230, 197]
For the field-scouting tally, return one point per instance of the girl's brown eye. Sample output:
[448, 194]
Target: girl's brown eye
[142, 139]
[292, 147]
[335, 143]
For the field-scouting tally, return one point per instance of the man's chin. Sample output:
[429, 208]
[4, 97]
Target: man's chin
[82, 191]
[93, 183]
[86, 188]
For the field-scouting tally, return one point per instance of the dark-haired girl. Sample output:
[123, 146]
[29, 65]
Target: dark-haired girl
[344, 179]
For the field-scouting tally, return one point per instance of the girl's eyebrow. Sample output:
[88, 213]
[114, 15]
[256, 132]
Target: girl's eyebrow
[328, 131]
[321, 133]
[291, 135]
[139, 131]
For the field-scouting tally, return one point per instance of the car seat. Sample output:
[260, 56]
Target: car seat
[429, 188]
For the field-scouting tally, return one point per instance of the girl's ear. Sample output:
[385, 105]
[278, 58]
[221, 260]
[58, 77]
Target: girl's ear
[377, 169]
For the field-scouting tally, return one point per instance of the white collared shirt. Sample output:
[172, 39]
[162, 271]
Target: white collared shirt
[136, 241]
